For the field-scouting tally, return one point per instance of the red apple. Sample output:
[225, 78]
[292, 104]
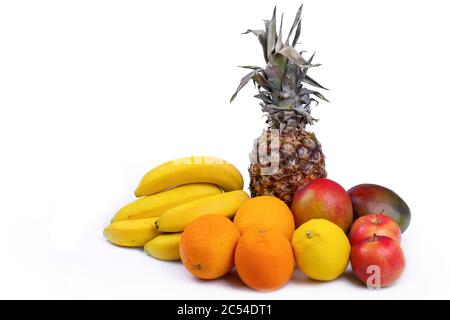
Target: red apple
[323, 199]
[374, 223]
[377, 261]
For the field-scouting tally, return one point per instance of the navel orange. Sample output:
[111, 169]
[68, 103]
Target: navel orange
[207, 246]
[265, 212]
[264, 259]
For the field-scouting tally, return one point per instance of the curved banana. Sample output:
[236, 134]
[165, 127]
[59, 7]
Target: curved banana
[131, 233]
[164, 247]
[190, 170]
[155, 205]
[177, 218]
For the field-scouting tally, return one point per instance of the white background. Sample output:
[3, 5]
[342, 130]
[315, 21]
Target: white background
[95, 93]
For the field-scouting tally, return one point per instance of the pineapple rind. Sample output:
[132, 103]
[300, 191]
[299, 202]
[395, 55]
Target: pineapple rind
[301, 161]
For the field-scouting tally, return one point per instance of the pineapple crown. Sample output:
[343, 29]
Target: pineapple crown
[285, 101]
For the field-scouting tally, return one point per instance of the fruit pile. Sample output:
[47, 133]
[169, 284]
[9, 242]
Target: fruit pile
[171, 196]
[194, 210]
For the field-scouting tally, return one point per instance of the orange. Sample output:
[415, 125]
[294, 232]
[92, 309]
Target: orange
[264, 259]
[265, 212]
[207, 246]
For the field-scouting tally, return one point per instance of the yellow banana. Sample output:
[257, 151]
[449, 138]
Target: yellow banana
[164, 247]
[131, 233]
[155, 205]
[190, 170]
[177, 218]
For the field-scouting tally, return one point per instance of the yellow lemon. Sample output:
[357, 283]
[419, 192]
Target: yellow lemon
[321, 249]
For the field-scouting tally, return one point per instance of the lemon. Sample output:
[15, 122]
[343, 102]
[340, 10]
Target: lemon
[321, 249]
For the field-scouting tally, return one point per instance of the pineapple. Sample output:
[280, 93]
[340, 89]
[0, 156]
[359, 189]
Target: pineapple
[293, 153]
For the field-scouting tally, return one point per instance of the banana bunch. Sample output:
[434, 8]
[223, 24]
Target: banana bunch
[155, 205]
[170, 197]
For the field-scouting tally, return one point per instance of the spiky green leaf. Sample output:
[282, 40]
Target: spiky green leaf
[297, 33]
[287, 104]
[274, 76]
[243, 83]
[296, 21]
[261, 35]
[307, 79]
[252, 68]
[272, 34]
[261, 81]
[311, 58]
[295, 57]
[265, 98]
[290, 77]
[280, 61]
[279, 44]
[319, 95]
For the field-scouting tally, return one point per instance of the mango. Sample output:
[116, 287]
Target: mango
[372, 198]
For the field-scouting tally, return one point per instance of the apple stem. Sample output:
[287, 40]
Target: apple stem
[374, 237]
[309, 234]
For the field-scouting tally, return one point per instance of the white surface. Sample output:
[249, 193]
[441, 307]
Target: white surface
[95, 93]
